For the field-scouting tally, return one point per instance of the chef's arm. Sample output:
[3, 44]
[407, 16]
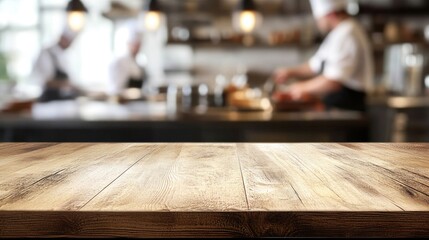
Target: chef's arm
[303, 71]
[318, 86]
[322, 85]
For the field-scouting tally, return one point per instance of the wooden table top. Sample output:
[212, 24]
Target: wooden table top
[146, 190]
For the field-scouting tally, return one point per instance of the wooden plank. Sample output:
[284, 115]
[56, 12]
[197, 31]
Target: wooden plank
[384, 173]
[410, 162]
[10, 149]
[178, 177]
[13, 163]
[66, 181]
[403, 155]
[214, 224]
[339, 224]
[265, 181]
[403, 160]
[324, 177]
[214, 190]
[305, 176]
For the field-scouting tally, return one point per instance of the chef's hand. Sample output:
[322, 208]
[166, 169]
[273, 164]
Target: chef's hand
[298, 92]
[282, 75]
[295, 92]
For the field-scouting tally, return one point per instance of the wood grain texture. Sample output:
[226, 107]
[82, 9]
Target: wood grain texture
[214, 224]
[65, 177]
[214, 190]
[332, 177]
[180, 177]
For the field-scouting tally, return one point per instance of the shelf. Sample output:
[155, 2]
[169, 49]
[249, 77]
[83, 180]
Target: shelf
[395, 11]
[119, 11]
[208, 44]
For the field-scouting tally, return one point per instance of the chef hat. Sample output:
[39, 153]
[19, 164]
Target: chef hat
[322, 8]
[134, 36]
[133, 32]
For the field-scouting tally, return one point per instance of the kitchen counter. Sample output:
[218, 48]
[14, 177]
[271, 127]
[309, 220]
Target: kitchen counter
[214, 190]
[399, 118]
[149, 122]
[400, 102]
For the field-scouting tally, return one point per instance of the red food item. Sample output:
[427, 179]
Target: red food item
[281, 97]
[283, 101]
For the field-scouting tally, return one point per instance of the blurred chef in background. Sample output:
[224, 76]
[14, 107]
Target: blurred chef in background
[125, 71]
[342, 69]
[51, 70]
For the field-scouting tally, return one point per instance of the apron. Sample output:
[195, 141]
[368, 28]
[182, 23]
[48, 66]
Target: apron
[137, 82]
[345, 98]
[55, 94]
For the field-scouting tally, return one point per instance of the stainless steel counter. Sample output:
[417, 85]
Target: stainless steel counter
[156, 122]
[399, 118]
[400, 102]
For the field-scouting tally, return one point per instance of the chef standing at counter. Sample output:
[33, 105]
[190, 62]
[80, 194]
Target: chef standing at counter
[125, 71]
[341, 70]
[51, 70]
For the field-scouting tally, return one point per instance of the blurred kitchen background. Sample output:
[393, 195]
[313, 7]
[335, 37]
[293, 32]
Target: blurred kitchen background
[195, 52]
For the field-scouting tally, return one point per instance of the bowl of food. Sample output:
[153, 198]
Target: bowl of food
[249, 100]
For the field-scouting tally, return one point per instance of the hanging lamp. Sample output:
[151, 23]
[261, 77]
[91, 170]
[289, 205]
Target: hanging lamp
[246, 18]
[76, 15]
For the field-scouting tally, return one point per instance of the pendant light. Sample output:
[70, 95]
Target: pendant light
[152, 15]
[76, 15]
[246, 18]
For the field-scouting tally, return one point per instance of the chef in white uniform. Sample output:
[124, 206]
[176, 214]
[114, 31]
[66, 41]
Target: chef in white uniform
[51, 70]
[342, 69]
[125, 71]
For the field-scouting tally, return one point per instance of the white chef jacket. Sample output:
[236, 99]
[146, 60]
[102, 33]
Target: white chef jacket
[121, 70]
[347, 56]
[48, 61]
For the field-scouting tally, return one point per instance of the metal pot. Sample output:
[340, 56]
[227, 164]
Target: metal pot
[407, 69]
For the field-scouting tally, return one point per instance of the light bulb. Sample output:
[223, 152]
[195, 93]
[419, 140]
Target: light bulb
[152, 20]
[76, 20]
[248, 20]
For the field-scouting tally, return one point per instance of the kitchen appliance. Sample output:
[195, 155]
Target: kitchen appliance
[406, 69]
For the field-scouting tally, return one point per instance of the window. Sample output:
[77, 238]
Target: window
[28, 25]
[19, 35]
